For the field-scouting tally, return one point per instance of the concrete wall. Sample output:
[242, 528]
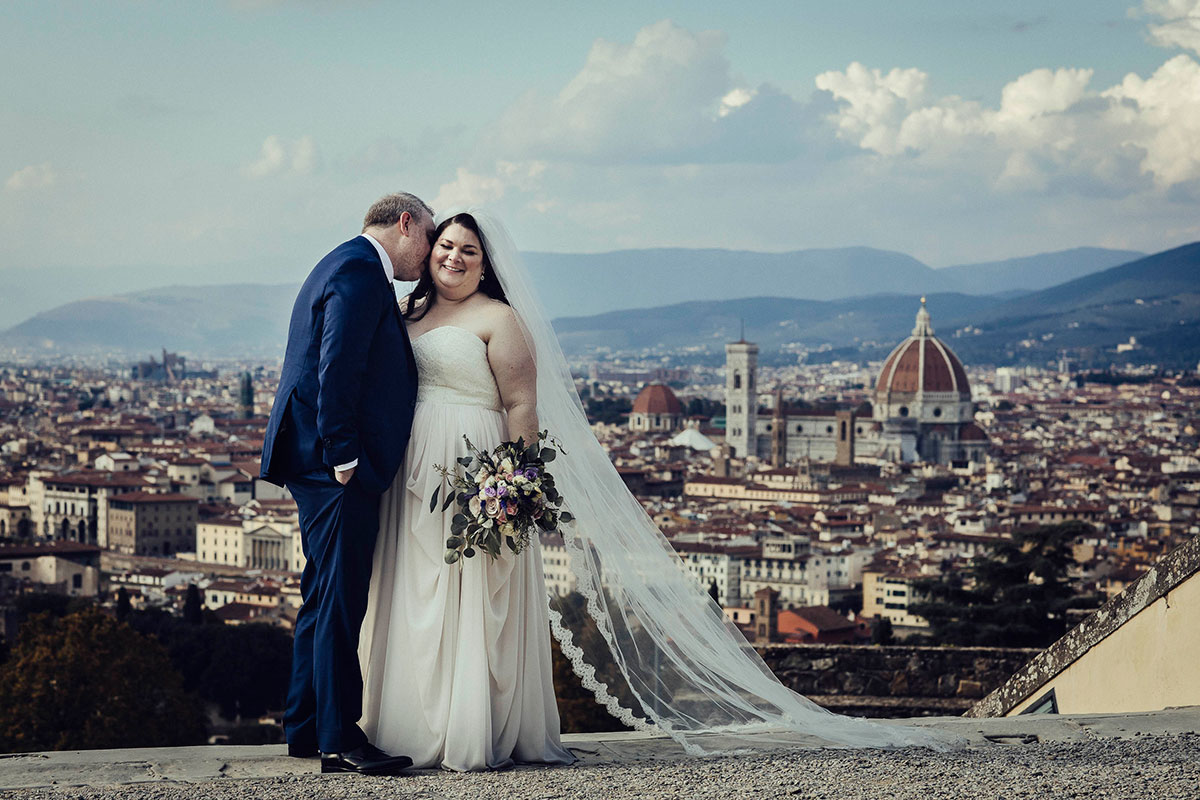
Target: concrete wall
[1137, 653]
[1147, 664]
[893, 681]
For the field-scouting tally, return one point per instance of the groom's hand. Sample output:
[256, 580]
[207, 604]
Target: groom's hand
[343, 476]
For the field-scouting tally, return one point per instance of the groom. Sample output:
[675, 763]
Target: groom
[335, 439]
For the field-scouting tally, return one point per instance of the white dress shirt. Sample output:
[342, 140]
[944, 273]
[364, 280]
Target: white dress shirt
[391, 276]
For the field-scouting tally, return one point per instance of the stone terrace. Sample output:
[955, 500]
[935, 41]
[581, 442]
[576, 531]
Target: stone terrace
[1039, 756]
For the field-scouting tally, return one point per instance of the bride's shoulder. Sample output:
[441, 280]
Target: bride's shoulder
[496, 312]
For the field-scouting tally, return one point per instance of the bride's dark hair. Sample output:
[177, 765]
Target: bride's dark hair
[423, 296]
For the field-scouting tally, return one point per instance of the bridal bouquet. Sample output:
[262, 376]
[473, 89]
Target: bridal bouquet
[504, 497]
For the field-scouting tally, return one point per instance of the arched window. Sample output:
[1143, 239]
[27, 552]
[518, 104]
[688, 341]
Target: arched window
[904, 411]
[737, 380]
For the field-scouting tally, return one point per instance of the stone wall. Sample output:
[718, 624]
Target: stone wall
[893, 681]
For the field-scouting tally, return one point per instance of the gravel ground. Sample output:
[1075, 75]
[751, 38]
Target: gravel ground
[1156, 767]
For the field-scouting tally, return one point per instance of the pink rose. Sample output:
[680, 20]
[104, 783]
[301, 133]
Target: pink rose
[492, 507]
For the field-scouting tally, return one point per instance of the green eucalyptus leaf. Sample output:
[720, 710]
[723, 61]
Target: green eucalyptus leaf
[452, 556]
[469, 552]
[433, 500]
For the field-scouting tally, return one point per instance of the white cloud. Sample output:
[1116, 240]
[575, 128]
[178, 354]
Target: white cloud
[646, 100]
[1180, 26]
[1050, 131]
[1161, 116]
[35, 176]
[281, 157]
[876, 103]
[467, 189]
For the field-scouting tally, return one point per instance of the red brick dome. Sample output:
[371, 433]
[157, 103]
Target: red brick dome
[922, 364]
[657, 398]
[972, 433]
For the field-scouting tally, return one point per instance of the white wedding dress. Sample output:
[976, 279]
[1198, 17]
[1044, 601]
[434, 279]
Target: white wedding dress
[456, 657]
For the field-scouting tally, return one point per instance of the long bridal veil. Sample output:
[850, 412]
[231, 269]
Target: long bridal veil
[683, 668]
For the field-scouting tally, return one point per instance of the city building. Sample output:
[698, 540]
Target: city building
[656, 410]
[140, 523]
[923, 402]
[67, 568]
[769, 429]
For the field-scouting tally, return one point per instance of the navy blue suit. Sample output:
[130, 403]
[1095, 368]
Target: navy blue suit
[347, 391]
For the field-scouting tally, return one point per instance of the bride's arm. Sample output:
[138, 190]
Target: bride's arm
[516, 375]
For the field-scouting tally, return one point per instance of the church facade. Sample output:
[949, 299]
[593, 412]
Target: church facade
[922, 411]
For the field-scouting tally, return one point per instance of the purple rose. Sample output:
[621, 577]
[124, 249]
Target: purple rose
[530, 473]
[489, 491]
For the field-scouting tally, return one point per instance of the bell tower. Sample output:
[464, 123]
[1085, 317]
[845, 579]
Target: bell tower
[741, 397]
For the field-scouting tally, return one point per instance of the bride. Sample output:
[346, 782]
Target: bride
[456, 657]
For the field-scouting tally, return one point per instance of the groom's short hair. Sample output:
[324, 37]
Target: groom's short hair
[386, 210]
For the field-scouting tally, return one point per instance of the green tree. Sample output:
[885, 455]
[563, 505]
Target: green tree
[124, 605]
[881, 631]
[1015, 596]
[714, 591]
[193, 609]
[241, 669]
[87, 681]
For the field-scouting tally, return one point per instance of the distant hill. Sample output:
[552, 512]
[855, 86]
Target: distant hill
[627, 279]
[1031, 273]
[1155, 299]
[874, 323]
[620, 279]
[232, 320]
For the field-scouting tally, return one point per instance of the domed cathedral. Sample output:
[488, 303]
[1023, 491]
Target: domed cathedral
[923, 402]
[656, 409]
[777, 433]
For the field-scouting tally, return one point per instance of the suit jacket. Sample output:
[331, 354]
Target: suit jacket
[349, 379]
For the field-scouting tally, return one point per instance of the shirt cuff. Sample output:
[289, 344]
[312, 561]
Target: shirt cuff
[347, 465]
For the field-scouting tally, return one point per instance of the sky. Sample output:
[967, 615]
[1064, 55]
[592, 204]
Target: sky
[246, 138]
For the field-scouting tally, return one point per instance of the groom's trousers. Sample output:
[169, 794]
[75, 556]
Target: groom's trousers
[338, 527]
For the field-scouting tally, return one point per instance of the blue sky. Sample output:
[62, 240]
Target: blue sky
[244, 138]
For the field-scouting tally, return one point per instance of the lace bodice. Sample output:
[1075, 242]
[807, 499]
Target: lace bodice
[453, 368]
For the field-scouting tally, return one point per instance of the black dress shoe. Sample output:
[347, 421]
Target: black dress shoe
[365, 760]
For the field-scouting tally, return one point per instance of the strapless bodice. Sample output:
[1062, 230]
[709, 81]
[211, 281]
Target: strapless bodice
[452, 367]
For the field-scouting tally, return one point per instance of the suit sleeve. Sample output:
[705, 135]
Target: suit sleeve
[352, 304]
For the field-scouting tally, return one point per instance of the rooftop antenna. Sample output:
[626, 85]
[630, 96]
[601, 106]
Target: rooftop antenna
[743, 338]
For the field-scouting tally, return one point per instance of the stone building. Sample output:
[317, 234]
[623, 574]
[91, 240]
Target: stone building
[556, 566]
[887, 594]
[767, 428]
[923, 402]
[922, 411]
[250, 544]
[67, 568]
[140, 523]
[656, 410]
[74, 506]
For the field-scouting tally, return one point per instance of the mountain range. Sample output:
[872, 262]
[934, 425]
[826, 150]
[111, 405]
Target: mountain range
[621, 279]
[1155, 299]
[627, 279]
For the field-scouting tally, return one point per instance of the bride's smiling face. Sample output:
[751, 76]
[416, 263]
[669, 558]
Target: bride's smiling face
[456, 262]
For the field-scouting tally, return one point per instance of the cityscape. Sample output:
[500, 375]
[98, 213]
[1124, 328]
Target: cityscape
[816, 503]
